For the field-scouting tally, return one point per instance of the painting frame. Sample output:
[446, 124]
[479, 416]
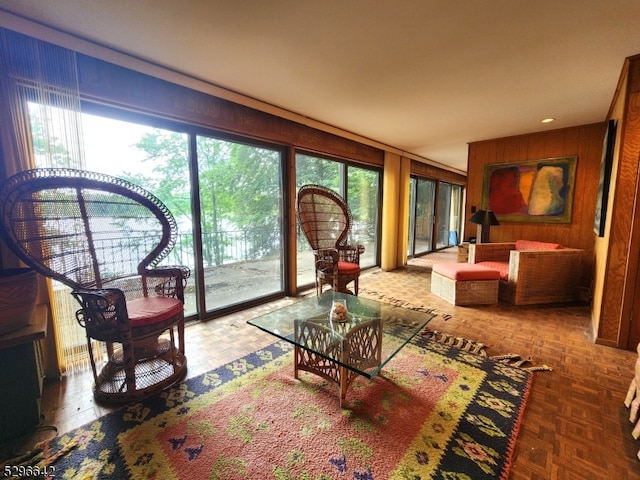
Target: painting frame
[606, 165]
[531, 191]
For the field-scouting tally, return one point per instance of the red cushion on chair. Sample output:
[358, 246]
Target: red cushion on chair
[150, 310]
[348, 268]
[534, 245]
[502, 267]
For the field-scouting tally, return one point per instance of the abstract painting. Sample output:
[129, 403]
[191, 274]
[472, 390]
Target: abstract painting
[531, 191]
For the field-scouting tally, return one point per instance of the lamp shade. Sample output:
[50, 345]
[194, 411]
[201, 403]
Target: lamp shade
[484, 217]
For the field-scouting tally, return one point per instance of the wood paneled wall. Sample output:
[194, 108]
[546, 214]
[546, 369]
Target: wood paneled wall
[585, 142]
[618, 318]
[103, 82]
[435, 173]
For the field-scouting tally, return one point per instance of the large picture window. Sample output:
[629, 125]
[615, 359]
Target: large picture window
[360, 187]
[236, 254]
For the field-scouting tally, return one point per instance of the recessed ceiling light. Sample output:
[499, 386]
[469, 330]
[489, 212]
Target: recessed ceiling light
[547, 120]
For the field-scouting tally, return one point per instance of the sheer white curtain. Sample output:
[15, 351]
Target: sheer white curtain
[42, 127]
[42, 99]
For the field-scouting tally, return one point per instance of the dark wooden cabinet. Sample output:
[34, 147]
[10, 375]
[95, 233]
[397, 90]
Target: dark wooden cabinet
[21, 375]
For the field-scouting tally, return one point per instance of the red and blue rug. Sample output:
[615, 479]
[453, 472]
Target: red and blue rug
[437, 412]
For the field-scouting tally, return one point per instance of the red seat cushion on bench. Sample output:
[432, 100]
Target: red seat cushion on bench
[465, 271]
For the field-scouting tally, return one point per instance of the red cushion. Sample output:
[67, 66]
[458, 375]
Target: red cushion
[500, 267]
[348, 268]
[533, 245]
[465, 271]
[150, 310]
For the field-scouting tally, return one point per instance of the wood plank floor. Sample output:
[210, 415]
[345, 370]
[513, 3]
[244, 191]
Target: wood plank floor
[575, 425]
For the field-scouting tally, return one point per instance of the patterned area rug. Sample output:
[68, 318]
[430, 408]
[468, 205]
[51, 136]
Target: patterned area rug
[472, 346]
[437, 412]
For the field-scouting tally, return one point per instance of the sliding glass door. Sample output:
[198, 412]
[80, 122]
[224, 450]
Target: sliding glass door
[434, 214]
[363, 197]
[449, 214]
[241, 216]
[421, 216]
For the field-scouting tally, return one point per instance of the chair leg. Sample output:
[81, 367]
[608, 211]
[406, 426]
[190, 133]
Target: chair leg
[109, 349]
[129, 360]
[631, 393]
[342, 287]
[633, 412]
[336, 284]
[636, 431]
[181, 335]
[92, 360]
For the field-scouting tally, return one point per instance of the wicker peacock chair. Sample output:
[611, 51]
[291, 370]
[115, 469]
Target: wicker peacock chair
[325, 219]
[104, 238]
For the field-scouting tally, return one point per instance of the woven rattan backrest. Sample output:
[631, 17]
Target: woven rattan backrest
[324, 216]
[84, 228]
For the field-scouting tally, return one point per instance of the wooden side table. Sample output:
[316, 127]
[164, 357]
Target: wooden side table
[463, 252]
[21, 375]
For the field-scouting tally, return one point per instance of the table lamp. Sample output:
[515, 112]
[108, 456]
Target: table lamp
[484, 219]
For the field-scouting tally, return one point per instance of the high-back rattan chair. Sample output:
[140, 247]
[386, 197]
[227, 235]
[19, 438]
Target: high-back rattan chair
[325, 220]
[105, 237]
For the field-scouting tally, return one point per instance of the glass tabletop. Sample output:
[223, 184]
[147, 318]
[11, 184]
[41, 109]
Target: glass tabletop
[362, 339]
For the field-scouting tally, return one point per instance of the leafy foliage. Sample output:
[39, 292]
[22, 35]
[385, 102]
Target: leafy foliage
[239, 187]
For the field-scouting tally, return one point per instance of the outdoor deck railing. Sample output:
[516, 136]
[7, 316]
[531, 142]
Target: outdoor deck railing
[232, 246]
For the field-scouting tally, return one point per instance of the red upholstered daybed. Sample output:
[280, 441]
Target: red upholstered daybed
[532, 272]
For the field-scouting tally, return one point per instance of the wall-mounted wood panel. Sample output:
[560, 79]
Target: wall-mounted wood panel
[585, 142]
[619, 324]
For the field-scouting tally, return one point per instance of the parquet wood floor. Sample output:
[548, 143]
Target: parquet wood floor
[575, 425]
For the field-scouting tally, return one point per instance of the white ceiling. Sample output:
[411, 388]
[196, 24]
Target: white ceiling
[425, 76]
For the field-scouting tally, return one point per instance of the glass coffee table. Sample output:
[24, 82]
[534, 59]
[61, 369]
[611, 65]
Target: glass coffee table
[341, 346]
